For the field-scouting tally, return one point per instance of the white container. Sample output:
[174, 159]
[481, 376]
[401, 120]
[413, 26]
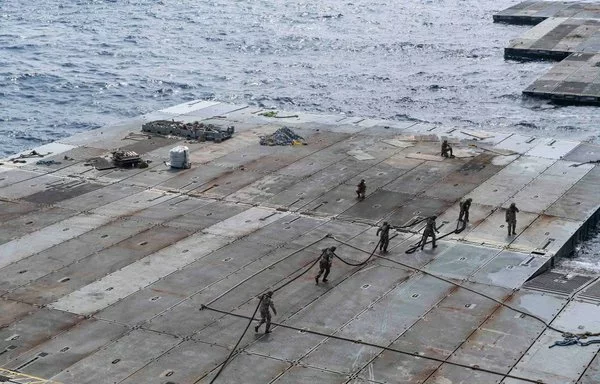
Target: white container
[179, 157]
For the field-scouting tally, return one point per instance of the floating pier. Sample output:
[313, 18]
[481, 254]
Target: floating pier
[105, 270]
[564, 31]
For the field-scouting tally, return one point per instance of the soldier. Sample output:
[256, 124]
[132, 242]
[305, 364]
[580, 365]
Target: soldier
[429, 231]
[511, 218]
[265, 314]
[361, 189]
[384, 238]
[325, 263]
[464, 210]
[446, 149]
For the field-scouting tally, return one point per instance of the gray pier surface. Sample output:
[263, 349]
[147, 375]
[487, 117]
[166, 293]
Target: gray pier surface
[104, 271]
[566, 31]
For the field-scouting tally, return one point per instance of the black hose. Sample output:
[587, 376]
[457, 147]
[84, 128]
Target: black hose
[391, 349]
[236, 344]
[464, 287]
[458, 230]
[361, 263]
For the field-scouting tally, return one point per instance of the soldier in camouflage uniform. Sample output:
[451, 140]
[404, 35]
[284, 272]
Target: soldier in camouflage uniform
[446, 149]
[361, 189]
[429, 231]
[511, 218]
[464, 210]
[327, 256]
[384, 238]
[265, 304]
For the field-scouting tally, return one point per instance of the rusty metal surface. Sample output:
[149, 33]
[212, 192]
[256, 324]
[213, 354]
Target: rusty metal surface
[43, 263]
[59, 353]
[140, 262]
[33, 330]
[376, 206]
[118, 360]
[31, 222]
[74, 276]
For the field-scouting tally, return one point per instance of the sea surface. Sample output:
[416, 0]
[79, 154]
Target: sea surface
[74, 65]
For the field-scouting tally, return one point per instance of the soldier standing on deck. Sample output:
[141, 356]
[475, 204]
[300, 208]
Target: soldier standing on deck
[384, 238]
[464, 210]
[325, 263]
[265, 305]
[361, 189]
[511, 218]
[429, 231]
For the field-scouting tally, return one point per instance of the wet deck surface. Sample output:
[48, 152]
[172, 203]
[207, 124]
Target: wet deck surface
[104, 272]
[564, 31]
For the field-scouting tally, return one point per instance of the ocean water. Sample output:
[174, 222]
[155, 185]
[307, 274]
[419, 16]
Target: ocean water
[74, 65]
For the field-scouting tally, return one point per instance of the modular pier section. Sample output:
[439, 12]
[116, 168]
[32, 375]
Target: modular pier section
[566, 31]
[104, 271]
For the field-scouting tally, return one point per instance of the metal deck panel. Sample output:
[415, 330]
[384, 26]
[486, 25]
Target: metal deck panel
[135, 276]
[592, 292]
[509, 269]
[9, 177]
[33, 330]
[452, 374]
[99, 197]
[208, 215]
[32, 268]
[60, 352]
[140, 306]
[11, 311]
[401, 309]
[562, 364]
[14, 209]
[62, 191]
[577, 203]
[284, 230]
[501, 341]
[246, 222]
[174, 366]
[421, 178]
[170, 209]
[49, 236]
[263, 189]
[457, 314]
[22, 225]
[189, 179]
[243, 370]
[133, 203]
[541, 193]
[119, 360]
[312, 164]
[477, 214]
[95, 266]
[460, 261]
[290, 345]
[29, 187]
[493, 231]
[334, 202]
[376, 206]
[391, 367]
[583, 153]
[227, 183]
[592, 373]
[380, 280]
[421, 206]
[307, 375]
[547, 235]
[341, 230]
